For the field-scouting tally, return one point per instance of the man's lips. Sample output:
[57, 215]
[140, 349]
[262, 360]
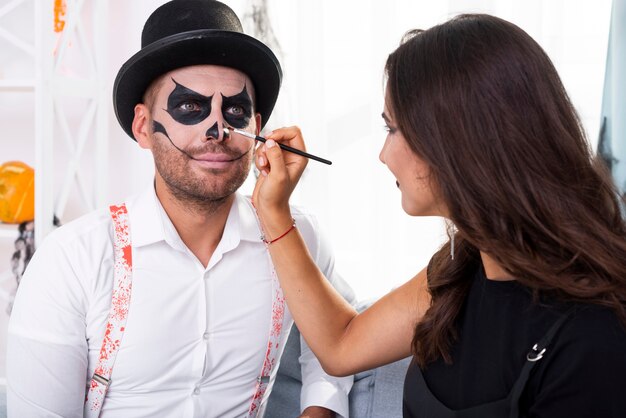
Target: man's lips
[217, 160]
[216, 157]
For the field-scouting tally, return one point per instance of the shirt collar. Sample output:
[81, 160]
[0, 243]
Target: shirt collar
[144, 212]
[248, 224]
[150, 223]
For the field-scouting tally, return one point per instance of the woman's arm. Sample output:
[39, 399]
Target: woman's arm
[344, 341]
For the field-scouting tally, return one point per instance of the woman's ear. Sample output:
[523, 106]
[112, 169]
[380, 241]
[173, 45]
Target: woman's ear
[141, 126]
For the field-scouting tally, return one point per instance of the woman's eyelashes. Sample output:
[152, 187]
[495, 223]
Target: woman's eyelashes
[387, 125]
[389, 129]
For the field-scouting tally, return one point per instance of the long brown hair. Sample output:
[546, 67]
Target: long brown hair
[479, 100]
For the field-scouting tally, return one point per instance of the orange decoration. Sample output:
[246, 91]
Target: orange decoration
[17, 192]
[59, 15]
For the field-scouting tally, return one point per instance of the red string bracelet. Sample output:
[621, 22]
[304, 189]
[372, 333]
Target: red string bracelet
[293, 225]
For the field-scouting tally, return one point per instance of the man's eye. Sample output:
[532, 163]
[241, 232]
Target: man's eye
[236, 110]
[189, 107]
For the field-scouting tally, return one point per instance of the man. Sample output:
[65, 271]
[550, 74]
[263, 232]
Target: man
[169, 306]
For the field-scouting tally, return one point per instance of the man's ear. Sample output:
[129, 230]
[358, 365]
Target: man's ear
[257, 117]
[141, 126]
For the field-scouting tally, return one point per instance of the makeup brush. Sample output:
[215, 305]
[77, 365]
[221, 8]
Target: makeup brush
[285, 147]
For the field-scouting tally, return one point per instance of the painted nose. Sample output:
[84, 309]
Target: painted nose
[214, 133]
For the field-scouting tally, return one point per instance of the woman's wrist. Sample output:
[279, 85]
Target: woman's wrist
[272, 239]
[276, 222]
[277, 226]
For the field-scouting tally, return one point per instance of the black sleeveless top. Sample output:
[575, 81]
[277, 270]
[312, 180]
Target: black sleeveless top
[582, 373]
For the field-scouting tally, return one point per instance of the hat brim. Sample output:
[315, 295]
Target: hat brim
[214, 47]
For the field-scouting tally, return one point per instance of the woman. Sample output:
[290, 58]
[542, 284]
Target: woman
[522, 312]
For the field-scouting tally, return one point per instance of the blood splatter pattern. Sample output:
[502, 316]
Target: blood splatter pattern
[120, 302]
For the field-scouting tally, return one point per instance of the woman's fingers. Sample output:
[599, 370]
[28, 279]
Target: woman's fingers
[280, 170]
[260, 160]
[274, 156]
[291, 136]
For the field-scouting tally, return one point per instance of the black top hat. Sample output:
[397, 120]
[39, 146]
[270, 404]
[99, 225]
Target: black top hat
[181, 33]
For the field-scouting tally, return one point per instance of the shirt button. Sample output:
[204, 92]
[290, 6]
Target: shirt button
[205, 335]
[196, 391]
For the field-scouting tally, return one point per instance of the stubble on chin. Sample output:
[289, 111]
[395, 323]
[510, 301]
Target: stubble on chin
[198, 189]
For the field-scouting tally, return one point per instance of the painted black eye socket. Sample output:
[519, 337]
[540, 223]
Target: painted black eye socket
[238, 106]
[186, 106]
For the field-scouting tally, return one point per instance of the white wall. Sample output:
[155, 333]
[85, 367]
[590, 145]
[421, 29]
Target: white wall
[333, 58]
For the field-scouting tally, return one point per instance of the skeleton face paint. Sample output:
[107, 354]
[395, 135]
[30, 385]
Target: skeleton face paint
[188, 107]
[191, 152]
[213, 131]
[237, 109]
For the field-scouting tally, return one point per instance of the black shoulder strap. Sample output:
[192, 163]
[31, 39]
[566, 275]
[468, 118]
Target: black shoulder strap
[535, 354]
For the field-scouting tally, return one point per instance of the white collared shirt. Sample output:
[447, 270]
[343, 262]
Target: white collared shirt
[195, 337]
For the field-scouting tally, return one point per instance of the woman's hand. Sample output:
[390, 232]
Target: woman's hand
[280, 172]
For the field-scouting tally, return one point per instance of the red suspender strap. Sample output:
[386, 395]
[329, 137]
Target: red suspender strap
[120, 301]
[276, 327]
[119, 312]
